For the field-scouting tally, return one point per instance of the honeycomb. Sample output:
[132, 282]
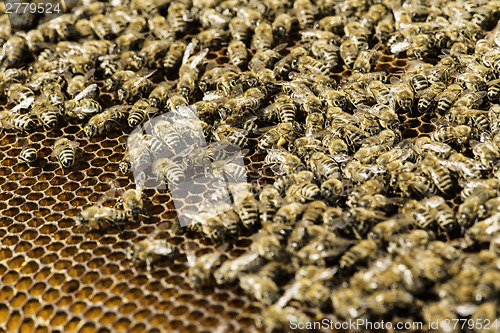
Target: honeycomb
[56, 277]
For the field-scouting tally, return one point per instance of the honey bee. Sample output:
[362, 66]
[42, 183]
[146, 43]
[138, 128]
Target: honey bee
[365, 61]
[323, 250]
[101, 122]
[12, 75]
[307, 64]
[324, 166]
[65, 152]
[358, 253]
[46, 112]
[135, 87]
[384, 28]
[177, 17]
[281, 25]
[270, 200]
[188, 72]
[263, 36]
[289, 213]
[410, 183]
[469, 209]
[383, 302]
[238, 53]
[97, 216]
[231, 269]
[261, 284]
[139, 112]
[458, 133]
[211, 37]
[448, 97]
[239, 29]
[118, 78]
[202, 268]
[277, 135]
[358, 172]
[28, 154]
[174, 55]
[20, 94]
[305, 12]
[159, 95]
[485, 152]
[131, 60]
[303, 192]
[149, 250]
[428, 96]
[13, 51]
[169, 170]
[403, 93]
[131, 201]
[280, 317]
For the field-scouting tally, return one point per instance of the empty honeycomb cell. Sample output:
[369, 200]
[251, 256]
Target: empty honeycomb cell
[72, 325]
[59, 319]
[18, 300]
[65, 301]
[14, 321]
[31, 306]
[42, 240]
[148, 300]
[10, 277]
[107, 318]
[27, 326]
[88, 327]
[16, 262]
[90, 277]
[38, 289]
[51, 295]
[24, 283]
[93, 313]
[30, 267]
[122, 324]
[78, 307]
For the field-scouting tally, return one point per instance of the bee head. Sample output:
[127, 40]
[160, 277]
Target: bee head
[123, 94]
[89, 130]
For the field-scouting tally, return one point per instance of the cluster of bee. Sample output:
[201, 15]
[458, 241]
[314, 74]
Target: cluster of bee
[358, 220]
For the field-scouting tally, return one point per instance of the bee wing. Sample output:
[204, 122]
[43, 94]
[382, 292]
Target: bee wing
[140, 180]
[89, 74]
[23, 105]
[435, 201]
[87, 91]
[189, 51]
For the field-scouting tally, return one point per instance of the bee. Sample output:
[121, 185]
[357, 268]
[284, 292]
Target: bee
[289, 213]
[12, 75]
[239, 29]
[118, 78]
[211, 18]
[19, 93]
[469, 209]
[307, 64]
[385, 28]
[97, 216]
[231, 269]
[410, 183]
[483, 231]
[270, 200]
[237, 52]
[20, 122]
[280, 317]
[448, 97]
[470, 99]
[169, 170]
[159, 95]
[78, 83]
[358, 172]
[428, 96]
[101, 122]
[322, 250]
[131, 60]
[357, 33]
[234, 135]
[289, 62]
[131, 201]
[202, 268]
[282, 161]
[303, 192]
[149, 250]
[13, 51]
[324, 166]
[177, 17]
[135, 87]
[485, 152]
[174, 55]
[458, 133]
[384, 302]
[380, 92]
[65, 152]
[403, 93]
[28, 154]
[46, 112]
[262, 288]
[284, 182]
[365, 61]
[281, 25]
[435, 171]
[263, 36]
[139, 112]
[277, 135]
[249, 100]
[211, 37]
[188, 73]
[359, 253]
[305, 12]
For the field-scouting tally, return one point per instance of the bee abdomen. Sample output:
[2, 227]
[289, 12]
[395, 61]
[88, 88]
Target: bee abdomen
[66, 157]
[28, 155]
